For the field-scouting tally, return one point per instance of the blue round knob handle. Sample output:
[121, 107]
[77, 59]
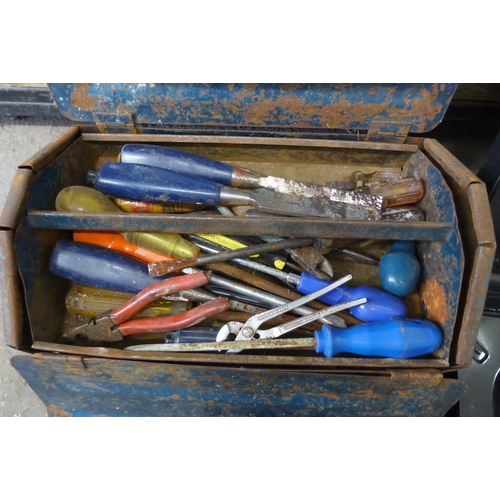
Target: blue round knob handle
[400, 269]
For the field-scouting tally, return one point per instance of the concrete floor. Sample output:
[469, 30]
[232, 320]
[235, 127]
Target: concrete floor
[20, 138]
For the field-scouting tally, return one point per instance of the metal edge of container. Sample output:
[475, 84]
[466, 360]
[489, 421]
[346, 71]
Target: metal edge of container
[244, 359]
[378, 146]
[15, 199]
[11, 308]
[76, 386]
[250, 140]
[12, 311]
[47, 154]
[479, 241]
[14, 202]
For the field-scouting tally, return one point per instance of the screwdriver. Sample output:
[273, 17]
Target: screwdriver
[398, 192]
[86, 199]
[142, 207]
[165, 267]
[90, 301]
[117, 242]
[396, 338]
[380, 304]
[361, 180]
[275, 259]
[103, 268]
[228, 175]
[158, 185]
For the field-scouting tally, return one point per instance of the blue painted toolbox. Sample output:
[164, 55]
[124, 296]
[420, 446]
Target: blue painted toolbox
[310, 132]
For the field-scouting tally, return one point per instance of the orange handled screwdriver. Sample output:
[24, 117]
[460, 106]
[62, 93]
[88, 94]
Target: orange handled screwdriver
[117, 242]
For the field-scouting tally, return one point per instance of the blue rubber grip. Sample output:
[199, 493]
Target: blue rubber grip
[399, 269]
[177, 161]
[99, 267]
[399, 338]
[156, 185]
[379, 305]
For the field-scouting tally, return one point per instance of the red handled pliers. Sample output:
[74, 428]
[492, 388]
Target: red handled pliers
[112, 326]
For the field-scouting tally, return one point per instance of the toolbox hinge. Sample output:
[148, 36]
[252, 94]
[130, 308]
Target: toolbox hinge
[112, 123]
[388, 132]
[69, 358]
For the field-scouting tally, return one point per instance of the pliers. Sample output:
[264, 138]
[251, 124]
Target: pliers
[113, 326]
[249, 329]
[247, 332]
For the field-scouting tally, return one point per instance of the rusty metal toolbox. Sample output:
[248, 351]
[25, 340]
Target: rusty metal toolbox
[310, 132]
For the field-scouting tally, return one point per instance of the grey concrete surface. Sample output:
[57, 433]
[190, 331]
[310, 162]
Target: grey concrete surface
[20, 138]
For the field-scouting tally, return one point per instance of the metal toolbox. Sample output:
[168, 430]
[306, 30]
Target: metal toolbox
[311, 132]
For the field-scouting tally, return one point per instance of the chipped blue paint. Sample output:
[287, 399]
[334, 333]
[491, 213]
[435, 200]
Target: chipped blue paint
[95, 387]
[303, 106]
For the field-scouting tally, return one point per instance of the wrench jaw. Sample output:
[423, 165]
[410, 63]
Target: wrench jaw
[233, 327]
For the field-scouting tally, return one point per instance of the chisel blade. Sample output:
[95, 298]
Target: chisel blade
[292, 204]
[308, 190]
[237, 177]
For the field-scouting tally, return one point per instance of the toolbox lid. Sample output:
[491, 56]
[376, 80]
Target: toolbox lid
[378, 108]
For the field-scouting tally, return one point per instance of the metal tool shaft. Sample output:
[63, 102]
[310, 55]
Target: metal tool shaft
[169, 266]
[277, 331]
[227, 345]
[271, 299]
[291, 278]
[255, 321]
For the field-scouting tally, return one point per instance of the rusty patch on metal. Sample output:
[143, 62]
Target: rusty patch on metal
[82, 99]
[55, 411]
[339, 114]
[434, 297]
[368, 393]
[260, 109]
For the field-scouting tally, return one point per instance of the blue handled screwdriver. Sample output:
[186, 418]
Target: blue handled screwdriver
[103, 268]
[398, 338]
[228, 175]
[380, 304]
[138, 182]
